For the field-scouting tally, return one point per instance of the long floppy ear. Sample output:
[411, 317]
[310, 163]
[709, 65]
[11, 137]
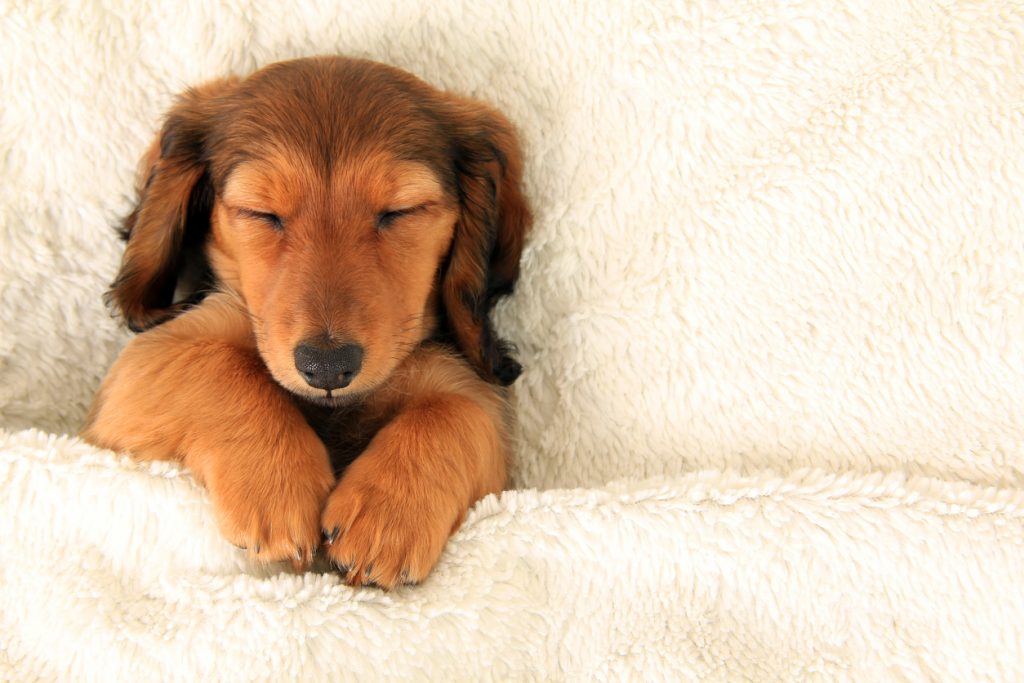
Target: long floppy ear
[494, 218]
[171, 215]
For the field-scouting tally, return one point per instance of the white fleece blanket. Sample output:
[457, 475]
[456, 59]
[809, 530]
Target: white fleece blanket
[772, 318]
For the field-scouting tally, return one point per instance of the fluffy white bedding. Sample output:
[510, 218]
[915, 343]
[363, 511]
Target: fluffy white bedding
[775, 293]
[115, 571]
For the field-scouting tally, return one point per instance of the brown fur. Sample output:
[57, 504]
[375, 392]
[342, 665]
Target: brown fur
[329, 146]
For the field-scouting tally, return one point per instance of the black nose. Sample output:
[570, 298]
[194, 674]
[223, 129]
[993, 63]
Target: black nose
[328, 367]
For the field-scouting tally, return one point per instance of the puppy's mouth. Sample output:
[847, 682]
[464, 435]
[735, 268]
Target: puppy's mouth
[328, 398]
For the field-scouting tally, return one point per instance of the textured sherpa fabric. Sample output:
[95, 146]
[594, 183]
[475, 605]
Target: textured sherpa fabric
[775, 291]
[712, 576]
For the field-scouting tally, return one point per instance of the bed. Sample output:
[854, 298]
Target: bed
[771, 425]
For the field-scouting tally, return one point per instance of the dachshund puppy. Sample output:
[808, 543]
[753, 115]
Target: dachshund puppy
[311, 264]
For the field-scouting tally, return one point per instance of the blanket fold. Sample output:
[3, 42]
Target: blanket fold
[710, 576]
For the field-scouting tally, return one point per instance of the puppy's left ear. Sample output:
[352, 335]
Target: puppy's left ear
[494, 218]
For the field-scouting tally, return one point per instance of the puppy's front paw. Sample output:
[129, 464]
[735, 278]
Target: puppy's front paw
[382, 527]
[271, 504]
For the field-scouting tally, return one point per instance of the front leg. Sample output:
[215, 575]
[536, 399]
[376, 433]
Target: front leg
[194, 389]
[399, 501]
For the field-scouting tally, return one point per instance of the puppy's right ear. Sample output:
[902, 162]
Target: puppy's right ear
[175, 199]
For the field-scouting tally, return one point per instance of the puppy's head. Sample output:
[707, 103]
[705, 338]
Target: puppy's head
[355, 209]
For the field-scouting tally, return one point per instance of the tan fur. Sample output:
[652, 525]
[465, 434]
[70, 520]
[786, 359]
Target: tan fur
[400, 500]
[195, 390]
[284, 180]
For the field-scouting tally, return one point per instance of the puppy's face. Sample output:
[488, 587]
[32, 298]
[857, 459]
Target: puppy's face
[338, 267]
[356, 210]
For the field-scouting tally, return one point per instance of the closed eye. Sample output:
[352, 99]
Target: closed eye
[386, 218]
[271, 219]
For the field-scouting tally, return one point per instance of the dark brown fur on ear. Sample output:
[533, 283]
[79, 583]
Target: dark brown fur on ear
[171, 215]
[484, 261]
